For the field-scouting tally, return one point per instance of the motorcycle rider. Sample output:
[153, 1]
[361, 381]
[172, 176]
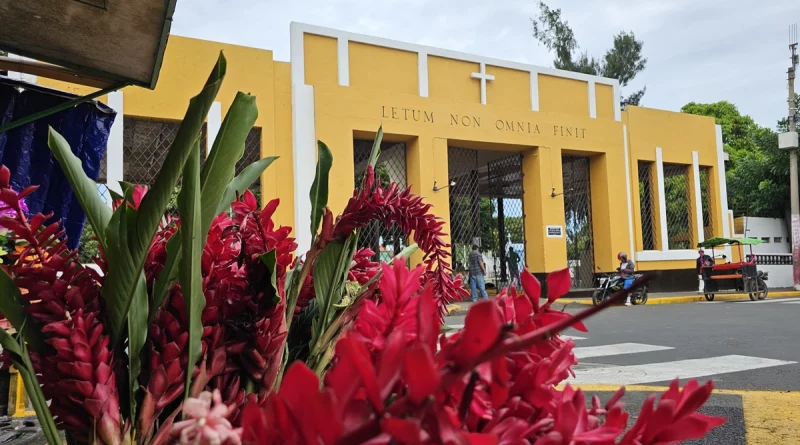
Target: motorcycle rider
[625, 269]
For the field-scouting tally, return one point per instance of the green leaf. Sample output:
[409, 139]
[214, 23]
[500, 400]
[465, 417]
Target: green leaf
[330, 276]
[11, 306]
[168, 275]
[19, 356]
[319, 188]
[220, 167]
[121, 281]
[246, 178]
[120, 265]
[376, 147]
[137, 335]
[97, 212]
[270, 259]
[192, 239]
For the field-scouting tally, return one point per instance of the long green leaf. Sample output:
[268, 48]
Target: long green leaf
[330, 276]
[192, 238]
[243, 181]
[376, 147]
[137, 335]
[120, 264]
[21, 360]
[12, 307]
[121, 281]
[97, 212]
[220, 167]
[319, 188]
[168, 275]
[270, 260]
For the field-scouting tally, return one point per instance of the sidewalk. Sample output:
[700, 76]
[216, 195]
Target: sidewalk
[461, 308]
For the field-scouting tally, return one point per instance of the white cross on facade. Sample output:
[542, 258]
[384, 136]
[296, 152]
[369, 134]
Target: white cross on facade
[483, 77]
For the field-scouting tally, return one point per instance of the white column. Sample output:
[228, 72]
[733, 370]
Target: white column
[214, 122]
[534, 91]
[617, 102]
[662, 199]
[304, 159]
[592, 100]
[422, 73]
[628, 167]
[343, 61]
[114, 150]
[698, 197]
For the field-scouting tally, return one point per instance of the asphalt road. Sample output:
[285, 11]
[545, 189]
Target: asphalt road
[749, 349]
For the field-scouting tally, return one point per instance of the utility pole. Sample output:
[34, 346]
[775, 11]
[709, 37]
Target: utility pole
[789, 141]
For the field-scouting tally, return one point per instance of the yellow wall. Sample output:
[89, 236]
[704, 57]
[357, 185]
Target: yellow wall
[382, 69]
[561, 95]
[510, 88]
[604, 98]
[450, 79]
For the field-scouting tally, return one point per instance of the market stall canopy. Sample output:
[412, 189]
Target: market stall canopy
[715, 242]
[100, 42]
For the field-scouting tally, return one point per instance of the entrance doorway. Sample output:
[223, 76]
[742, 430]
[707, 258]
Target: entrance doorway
[486, 209]
[578, 220]
[386, 242]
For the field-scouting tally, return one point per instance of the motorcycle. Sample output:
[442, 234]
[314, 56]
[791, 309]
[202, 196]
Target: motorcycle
[609, 284]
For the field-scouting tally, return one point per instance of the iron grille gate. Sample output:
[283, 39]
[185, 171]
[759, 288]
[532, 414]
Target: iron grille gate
[705, 200]
[578, 220]
[676, 196]
[507, 220]
[647, 208]
[391, 167]
[466, 207]
[145, 143]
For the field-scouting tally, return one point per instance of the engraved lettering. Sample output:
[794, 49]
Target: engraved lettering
[428, 118]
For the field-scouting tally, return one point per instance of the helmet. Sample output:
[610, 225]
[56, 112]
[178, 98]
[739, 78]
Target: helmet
[622, 256]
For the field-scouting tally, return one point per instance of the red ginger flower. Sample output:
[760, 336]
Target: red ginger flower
[80, 378]
[499, 388]
[394, 206]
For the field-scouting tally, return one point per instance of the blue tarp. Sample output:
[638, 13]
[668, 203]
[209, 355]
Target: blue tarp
[25, 152]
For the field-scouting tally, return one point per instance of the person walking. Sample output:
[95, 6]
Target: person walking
[703, 260]
[626, 268]
[477, 274]
[513, 266]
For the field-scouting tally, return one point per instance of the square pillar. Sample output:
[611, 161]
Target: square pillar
[542, 172]
[695, 201]
[426, 162]
[610, 217]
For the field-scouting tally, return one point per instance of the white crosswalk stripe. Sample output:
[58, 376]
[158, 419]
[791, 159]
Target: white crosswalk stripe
[768, 300]
[659, 372]
[594, 372]
[616, 349]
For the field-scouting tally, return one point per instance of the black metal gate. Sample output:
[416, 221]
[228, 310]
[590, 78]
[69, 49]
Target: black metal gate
[391, 167]
[504, 187]
[578, 219]
[466, 205]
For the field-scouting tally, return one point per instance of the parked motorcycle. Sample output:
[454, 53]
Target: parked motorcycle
[609, 284]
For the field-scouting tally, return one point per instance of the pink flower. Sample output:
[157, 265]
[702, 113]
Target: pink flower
[207, 422]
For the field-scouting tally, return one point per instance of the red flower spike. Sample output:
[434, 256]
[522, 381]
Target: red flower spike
[482, 328]
[532, 288]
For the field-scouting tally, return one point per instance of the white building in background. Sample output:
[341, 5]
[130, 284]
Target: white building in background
[772, 231]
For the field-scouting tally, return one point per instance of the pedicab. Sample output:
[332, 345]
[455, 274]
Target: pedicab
[735, 277]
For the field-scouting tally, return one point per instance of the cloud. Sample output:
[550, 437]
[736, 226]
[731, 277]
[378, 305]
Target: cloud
[698, 51]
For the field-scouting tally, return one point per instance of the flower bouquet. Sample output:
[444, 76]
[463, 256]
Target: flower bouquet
[209, 327]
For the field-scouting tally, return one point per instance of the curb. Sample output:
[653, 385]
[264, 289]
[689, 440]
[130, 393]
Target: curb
[688, 298]
[455, 309]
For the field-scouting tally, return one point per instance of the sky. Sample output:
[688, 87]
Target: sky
[697, 50]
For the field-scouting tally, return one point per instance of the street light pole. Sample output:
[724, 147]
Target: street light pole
[789, 141]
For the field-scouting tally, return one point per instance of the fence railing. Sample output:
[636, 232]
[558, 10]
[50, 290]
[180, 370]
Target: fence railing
[772, 259]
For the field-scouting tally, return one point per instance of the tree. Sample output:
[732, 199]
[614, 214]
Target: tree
[623, 61]
[758, 173]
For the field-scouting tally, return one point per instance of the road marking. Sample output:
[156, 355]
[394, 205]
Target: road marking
[661, 372]
[781, 300]
[572, 337]
[791, 302]
[617, 349]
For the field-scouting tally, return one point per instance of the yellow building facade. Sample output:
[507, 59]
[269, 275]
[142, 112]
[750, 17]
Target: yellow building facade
[508, 154]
